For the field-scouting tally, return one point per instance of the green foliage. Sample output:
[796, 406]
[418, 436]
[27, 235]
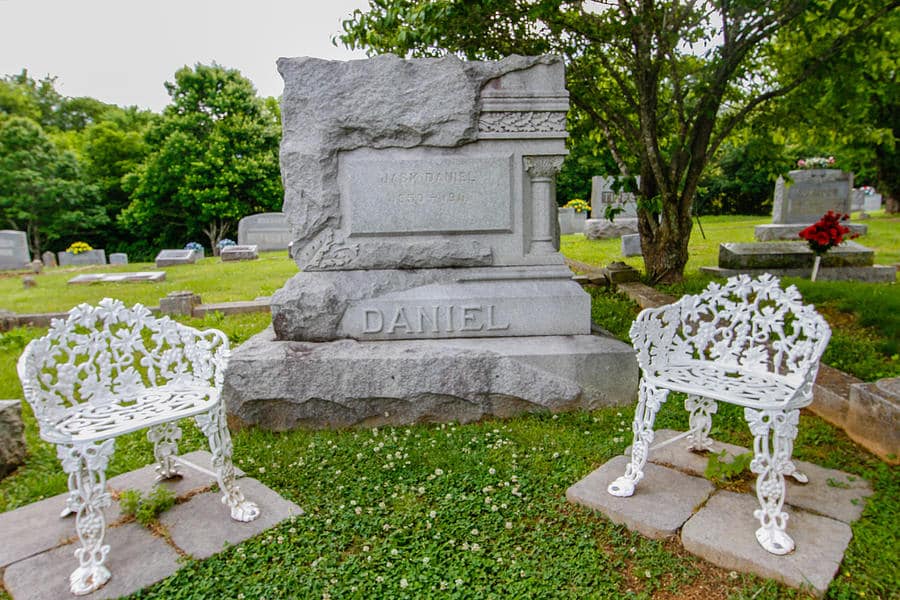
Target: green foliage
[663, 84]
[146, 508]
[213, 160]
[41, 188]
[851, 109]
[724, 472]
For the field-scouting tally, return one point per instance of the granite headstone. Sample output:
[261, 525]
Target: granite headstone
[91, 257]
[420, 199]
[49, 259]
[13, 250]
[267, 231]
[802, 201]
[605, 201]
[239, 252]
[174, 257]
[118, 258]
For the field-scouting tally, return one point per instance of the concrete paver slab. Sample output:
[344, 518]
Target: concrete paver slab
[661, 503]
[34, 528]
[723, 533]
[203, 526]
[830, 492]
[137, 559]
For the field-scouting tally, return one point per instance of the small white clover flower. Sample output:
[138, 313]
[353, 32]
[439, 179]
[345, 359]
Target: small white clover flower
[404, 583]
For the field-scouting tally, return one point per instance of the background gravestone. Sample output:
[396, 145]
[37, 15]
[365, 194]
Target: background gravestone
[603, 196]
[12, 436]
[174, 257]
[811, 193]
[267, 231]
[49, 259]
[118, 258]
[570, 221]
[13, 250]
[420, 195]
[239, 252]
[91, 257]
[631, 245]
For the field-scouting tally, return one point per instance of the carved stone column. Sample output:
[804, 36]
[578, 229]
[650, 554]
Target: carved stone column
[542, 170]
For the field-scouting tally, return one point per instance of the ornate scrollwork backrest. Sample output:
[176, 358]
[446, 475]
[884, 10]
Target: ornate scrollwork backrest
[748, 323]
[105, 353]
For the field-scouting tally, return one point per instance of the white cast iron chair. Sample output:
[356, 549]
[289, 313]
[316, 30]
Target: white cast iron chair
[110, 370]
[747, 342]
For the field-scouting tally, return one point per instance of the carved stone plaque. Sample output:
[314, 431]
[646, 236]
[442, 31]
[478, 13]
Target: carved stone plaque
[447, 195]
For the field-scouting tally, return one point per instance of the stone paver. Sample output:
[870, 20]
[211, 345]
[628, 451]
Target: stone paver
[37, 527]
[203, 527]
[723, 533]
[137, 559]
[830, 492]
[661, 503]
[34, 528]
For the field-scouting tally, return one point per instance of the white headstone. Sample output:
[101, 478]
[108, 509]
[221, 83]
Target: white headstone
[118, 258]
[267, 231]
[13, 250]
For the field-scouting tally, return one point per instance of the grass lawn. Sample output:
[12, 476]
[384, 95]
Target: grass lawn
[461, 511]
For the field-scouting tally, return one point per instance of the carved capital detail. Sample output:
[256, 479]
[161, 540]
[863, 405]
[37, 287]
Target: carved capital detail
[522, 122]
[543, 167]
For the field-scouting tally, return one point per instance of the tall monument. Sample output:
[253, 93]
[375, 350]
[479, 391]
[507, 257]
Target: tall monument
[420, 196]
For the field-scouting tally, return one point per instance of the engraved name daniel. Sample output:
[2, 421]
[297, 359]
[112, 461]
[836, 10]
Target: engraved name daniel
[434, 318]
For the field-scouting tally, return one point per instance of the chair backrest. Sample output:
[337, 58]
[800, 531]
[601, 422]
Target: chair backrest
[750, 323]
[110, 351]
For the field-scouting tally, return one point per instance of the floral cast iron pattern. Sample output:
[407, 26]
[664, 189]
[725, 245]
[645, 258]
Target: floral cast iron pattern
[108, 370]
[748, 342]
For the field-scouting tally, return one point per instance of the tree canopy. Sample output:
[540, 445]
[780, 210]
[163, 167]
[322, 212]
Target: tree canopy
[41, 188]
[213, 159]
[663, 82]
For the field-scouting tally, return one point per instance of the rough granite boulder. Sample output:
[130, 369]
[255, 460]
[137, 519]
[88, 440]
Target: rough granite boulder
[329, 107]
[12, 437]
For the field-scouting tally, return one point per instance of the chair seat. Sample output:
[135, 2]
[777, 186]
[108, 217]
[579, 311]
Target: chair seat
[100, 420]
[729, 384]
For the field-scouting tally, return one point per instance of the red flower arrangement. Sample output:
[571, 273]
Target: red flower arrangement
[827, 232]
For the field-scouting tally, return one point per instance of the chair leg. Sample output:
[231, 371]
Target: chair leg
[214, 425]
[773, 441]
[165, 438]
[85, 465]
[701, 410]
[650, 398]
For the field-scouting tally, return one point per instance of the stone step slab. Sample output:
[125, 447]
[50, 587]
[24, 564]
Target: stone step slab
[829, 492]
[203, 527]
[661, 503]
[37, 527]
[42, 545]
[137, 559]
[723, 533]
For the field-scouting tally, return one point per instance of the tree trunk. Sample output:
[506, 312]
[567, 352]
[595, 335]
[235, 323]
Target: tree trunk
[665, 243]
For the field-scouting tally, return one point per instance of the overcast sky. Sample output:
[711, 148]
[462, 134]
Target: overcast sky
[122, 51]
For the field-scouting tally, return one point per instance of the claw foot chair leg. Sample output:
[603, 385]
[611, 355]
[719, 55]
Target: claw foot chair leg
[86, 468]
[214, 425]
[649, 400]
[774, 432]
[165, 448]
